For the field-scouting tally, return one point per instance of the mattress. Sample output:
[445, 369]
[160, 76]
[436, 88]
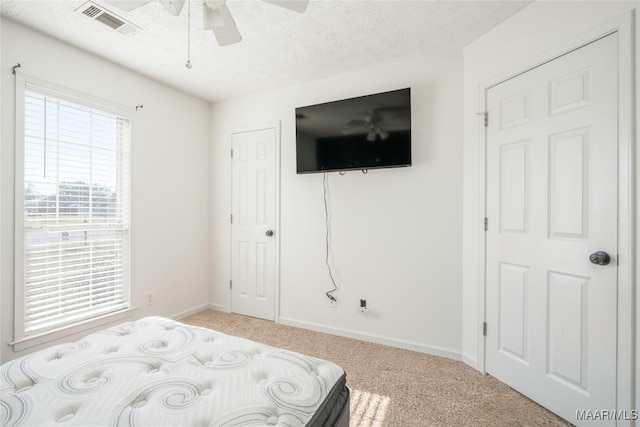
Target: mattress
[159, 372]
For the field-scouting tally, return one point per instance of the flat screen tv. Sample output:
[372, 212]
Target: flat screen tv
[367, 132]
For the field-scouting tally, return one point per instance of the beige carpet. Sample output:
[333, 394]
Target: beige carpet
[394, 387]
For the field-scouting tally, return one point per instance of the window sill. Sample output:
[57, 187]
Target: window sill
[72, 329]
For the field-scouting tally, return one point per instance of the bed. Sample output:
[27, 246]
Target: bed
[160, 372]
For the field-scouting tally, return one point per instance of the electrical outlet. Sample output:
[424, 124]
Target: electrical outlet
[363, 307]
[333, 303]
[149, 298]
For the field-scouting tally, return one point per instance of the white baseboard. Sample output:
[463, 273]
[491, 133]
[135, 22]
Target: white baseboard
[219, 307]
[471, 361]
[191, 311]
[377, 339]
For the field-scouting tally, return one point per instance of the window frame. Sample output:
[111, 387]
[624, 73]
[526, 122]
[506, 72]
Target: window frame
[26, 83]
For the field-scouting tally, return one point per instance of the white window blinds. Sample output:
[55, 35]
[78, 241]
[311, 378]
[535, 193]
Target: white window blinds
[76, 213]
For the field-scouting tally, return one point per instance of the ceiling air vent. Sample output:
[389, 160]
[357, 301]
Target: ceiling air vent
[108, 18]
[92, 11]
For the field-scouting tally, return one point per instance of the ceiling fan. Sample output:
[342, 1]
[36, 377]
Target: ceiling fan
[215, 13]
[375, 125]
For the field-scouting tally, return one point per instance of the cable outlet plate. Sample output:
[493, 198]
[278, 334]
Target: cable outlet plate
[333, 303]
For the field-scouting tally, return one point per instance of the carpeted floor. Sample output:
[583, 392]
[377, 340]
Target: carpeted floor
[395, 387]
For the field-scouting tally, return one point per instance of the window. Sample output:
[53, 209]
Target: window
[72, 216]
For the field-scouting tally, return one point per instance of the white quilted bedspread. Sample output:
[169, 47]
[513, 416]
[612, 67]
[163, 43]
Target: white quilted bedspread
[158, 372]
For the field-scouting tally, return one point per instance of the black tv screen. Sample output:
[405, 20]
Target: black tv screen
[362, 133]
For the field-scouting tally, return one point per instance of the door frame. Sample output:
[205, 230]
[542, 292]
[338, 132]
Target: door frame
[275, 125]
[623, 26]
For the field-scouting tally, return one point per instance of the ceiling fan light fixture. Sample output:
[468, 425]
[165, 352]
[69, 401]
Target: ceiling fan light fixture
[215, 14]
[371, 136]
[174, 7]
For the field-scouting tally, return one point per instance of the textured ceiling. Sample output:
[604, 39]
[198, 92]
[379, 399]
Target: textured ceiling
[279, 47]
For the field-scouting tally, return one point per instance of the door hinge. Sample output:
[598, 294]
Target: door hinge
[484, 329]
[231, 218]
[230, 284]
[232, 153]
[486, 224]
[486, 119]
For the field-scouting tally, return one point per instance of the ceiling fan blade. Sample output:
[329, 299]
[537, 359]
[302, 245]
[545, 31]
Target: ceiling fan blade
[127, 5]
[218, 18]
[295, 5]
[174, 7]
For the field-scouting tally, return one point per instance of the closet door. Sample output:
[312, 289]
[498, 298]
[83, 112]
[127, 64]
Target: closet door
[254, 233]
[552, 231]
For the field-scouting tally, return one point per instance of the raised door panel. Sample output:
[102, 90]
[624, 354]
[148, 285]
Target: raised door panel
[514, 187]
[513, 307]
[569, 189]
[568, 326]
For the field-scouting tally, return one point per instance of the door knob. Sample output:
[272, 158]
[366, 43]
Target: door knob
[269, 233]
[600, 258]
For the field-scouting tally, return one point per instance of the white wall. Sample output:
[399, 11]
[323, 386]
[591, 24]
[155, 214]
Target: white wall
[537, 29]
[171, 184]
[396, 232]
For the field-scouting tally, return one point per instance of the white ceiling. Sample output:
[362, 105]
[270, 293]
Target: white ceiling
[279, 47]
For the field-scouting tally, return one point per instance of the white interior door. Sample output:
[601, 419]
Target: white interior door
[551, 203]
[254, 231]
